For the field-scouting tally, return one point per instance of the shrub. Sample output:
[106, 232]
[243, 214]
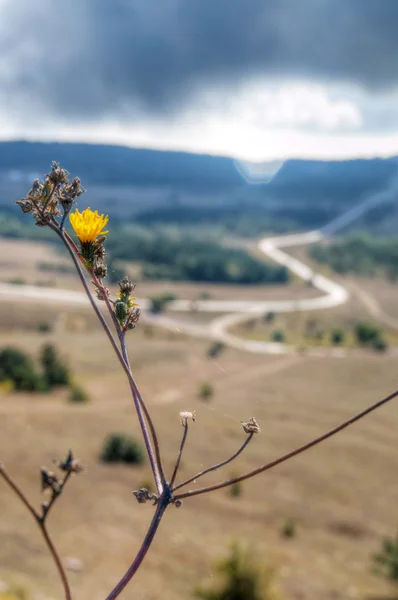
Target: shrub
[269, 317]
[78, 394]
[243, 579]
[387, 559]
[17, 367]
[337, 336]
[44, 327]
[366, 333]
[55, 371]
[205, 390]
[158, 302]
[278, 335]
[380, 344]
[288, 529]
[120, 448]
[215, 349]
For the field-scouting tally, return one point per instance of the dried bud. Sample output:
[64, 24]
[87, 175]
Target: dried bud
[251, 426]
[68, 194]
[185, 415]
[57, 175]
[36, 192]
[126, 287]
[142, 495]
[133, 317]
[49, 480]
[100, 269]
[177, 503]
[101, 292]
[99, 250]
[70, 464]
[25, 204]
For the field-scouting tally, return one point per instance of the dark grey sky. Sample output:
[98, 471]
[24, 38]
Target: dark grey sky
[102, 59]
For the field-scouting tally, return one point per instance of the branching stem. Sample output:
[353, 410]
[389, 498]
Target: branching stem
[41, 524]
[293, 453]
[215, 467]
[180, 451]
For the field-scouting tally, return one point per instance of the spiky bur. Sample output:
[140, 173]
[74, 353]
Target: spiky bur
[126, 309]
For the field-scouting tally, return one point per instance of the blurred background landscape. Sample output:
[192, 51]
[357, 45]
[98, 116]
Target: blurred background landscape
[246, 153]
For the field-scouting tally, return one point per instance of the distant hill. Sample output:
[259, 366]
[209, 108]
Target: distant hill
[132, 181]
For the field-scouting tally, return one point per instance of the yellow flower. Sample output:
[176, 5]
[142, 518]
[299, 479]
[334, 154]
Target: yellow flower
[88, 225]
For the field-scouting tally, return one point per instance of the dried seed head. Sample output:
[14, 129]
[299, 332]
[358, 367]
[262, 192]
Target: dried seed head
[25, 204]
[70, 464]
[126, 287]
[100, 269]
[49, 480]
[36, 191]
[251, 426]
[185, 415]
[142, 495]
[177, 503]
[133, 318]
[99, 250]
[57, 175]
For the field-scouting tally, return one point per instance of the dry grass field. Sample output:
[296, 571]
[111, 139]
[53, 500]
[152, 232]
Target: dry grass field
[342, 495]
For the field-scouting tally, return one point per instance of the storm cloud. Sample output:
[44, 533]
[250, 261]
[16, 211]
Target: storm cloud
[91, 58]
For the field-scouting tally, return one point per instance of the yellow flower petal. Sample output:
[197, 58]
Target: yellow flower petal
[88, 225]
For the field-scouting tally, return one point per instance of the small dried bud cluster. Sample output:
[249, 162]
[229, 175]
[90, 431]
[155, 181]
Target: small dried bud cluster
[142, 495]
[46, 197]
[126, 310]
[50, 481]
[251, 426]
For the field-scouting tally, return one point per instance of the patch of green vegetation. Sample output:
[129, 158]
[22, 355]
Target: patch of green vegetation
[121, 448]
[242, 578]
[360, 254]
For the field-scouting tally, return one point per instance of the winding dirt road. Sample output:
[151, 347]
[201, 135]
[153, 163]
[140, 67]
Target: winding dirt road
[234, 312]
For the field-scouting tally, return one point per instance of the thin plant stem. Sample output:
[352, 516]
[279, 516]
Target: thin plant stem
[138, 401]
[217, 466]
[293, 453]
[135, 391]
[153, 527]
[18, 492]
[54, 497]
[180, 451]
[41, 524]
[57, 560]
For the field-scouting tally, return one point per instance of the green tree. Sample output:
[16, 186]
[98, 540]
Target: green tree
[55, 371]
[366, 333]
[278, 335]
[337, 336]
[18, 367]
[121, 448]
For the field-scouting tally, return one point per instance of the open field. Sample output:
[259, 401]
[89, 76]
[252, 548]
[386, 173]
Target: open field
[343, 495]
